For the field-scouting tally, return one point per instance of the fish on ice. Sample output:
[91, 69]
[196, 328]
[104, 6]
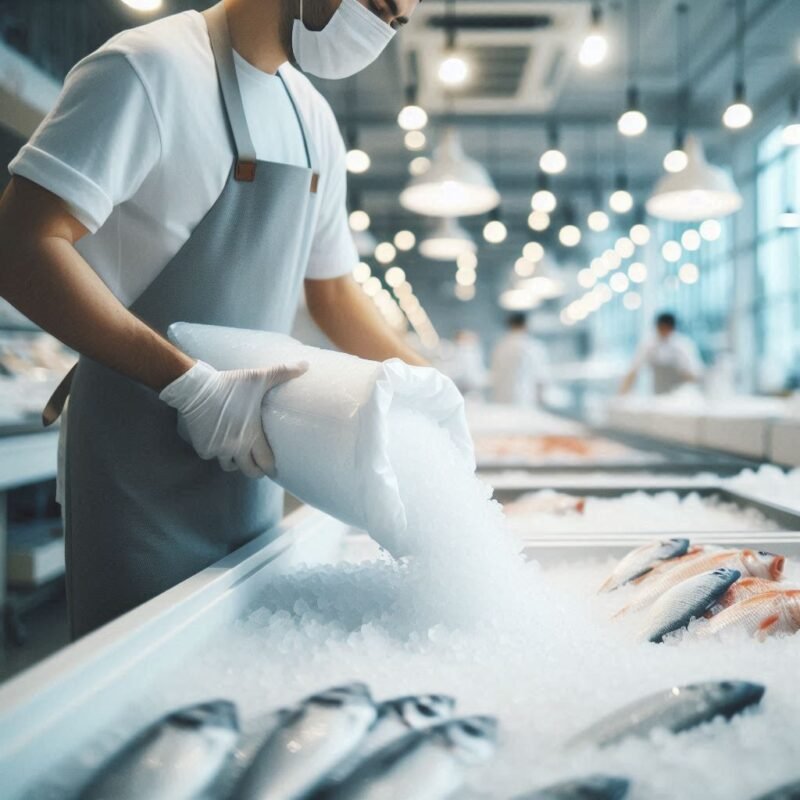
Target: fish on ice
[429, 764]
[309, 741]
[642, 560]
[179, 757]
[547, 502]
[395, 718]
[762, 615]
[757, 564]
[691, 599]
[748, 587]
[676, 709]
[592, 787]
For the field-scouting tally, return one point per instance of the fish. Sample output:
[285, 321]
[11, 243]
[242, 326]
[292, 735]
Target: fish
[748, 562]
[430, 764]
[748, 587]
[309, 741]
[678, 606]
[761, 616]
[179, 757]
[547, 502]
[789, 791]
[395, 718]
[676, 709]
[642, 560]
[663, 567]
[592, 787]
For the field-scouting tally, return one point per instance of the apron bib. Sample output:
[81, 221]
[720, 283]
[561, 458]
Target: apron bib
[143, 512]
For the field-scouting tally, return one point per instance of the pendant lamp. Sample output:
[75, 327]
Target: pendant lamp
[700, 191]
[454, 186]
[447, 241]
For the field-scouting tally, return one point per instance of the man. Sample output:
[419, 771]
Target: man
[189, 173]
[673, 358]
[520, 366]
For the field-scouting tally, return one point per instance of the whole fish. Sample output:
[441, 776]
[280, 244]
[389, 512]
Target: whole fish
[748, 587]
[592, 787]
[177, 758]
[761, 615]
[642, 560]
[748, 562]
[678, 606]
[546, 502]
[395, 718]
[677, 709]
[789, 791]
[310, 740]
[424, 765]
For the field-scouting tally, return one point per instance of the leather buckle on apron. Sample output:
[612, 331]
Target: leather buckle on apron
[245, 171]
[314, 182]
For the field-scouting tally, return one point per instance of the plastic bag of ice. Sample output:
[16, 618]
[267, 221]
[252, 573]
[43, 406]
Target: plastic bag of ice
[329, 428]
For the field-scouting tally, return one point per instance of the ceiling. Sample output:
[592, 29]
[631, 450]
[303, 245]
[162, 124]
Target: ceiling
[527, 79]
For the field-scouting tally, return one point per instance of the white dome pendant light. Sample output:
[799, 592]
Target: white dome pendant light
[739, 114]
[454, 185]
[447, 241]
[632, 121]
[701, 191]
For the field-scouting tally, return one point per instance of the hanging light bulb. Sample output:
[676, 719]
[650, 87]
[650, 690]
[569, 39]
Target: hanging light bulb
[357, 161]
[677, 159]
[465, 293]
[538, 221]
[598, 221]
[419, 166]
[453, 68]
[689, 273]
[691, 240]
[624, 247]
[395, 276]
[632, 121]
[359, 221]
[640, 234]
[495, 231]
[447, 242]
[543, 199]
[405, 241]
[569, 235]
[385, 253]
[524, 268]
[361, 272]
[671, 251]
[553, 161]
[412, 117]
[791, 132]
[738, 114]
[594, 49]
[467, 260]
[637, 272]
[415, 140]
[632, 301]
[711, 230]
[621, 200]
[789, 218]
[533, 252]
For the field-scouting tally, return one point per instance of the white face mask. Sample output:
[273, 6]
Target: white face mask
[351, 41]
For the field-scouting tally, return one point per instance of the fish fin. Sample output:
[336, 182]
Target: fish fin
[607, 585]
[768, 622]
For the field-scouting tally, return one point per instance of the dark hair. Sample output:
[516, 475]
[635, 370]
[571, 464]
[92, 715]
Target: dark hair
[517, 320]
[668, 319]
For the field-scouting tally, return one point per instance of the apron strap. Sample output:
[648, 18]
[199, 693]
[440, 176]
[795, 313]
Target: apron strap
[55, 405]
[218, 34]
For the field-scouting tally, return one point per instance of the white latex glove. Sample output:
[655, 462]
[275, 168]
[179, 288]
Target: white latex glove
[219, 413]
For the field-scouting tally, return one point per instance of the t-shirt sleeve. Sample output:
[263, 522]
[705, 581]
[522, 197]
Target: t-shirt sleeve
[333, 252]
[100, 141]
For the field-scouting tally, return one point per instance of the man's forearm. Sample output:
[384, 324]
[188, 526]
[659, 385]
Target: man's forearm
[353, 324]
[44, 277]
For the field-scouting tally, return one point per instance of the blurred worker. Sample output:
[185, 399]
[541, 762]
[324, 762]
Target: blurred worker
[672, 357]
[466, 366]
[520, 366]
[187, 172]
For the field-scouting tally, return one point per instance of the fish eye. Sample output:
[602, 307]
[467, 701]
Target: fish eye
[472, 730]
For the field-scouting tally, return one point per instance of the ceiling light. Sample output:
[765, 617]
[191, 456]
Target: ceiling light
[632, 122]
[447, 242]
[553, 161]
[637, 272]
[467, 260]
[619, 282]
[586, 278]
[611, 259]
[632, 301]
[621, 201]
[688, 273]
[569, 235]
[604, 292]
[453, 70]
[676, 160]
[466, 277]
[738, 114]
[598, 267]
[357, 161]
[415, 140]
[691, 240]
[454, 186]
[419, 166]
[790, 136]
[640, 234]
[711, 230]
[533, 251]
[143, 5]
[524, 268]
[698, 192]
[495, 232]
[789, 218]
[465, 293]
[538, 221]
[361, 272]
[385, 253]
[412, 118]
[598, 221]
[518, 300]
[395, 276]
[624, 247]
[404, 290]
[359, 221]
[404, 240]
[594, 49]
[544, 200]
[372, 286]
[671, 251]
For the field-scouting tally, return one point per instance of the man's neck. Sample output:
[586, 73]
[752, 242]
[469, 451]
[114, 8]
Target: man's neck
[255, 28]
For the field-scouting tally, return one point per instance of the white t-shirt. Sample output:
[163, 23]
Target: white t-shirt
[139, 148]
[671, 359]
[520, 366]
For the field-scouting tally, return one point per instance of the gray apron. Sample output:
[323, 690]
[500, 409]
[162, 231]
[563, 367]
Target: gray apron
[143, 511]
[666, 378]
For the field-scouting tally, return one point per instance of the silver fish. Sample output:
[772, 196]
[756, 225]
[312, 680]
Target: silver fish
[424, 765]
[592, 787]
[678, 606]
[177, 758]
[642, 560]
[309, 741]
[789, 791]
[677, 709]
[395, 718]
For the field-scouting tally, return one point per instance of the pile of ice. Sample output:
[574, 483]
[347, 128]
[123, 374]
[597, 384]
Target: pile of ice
[769, 483]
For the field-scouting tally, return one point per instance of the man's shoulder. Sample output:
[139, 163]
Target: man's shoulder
[315, 108]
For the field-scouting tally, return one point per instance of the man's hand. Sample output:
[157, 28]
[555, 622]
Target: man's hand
[220, 413]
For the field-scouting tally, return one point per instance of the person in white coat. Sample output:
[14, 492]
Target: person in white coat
[520, 366]
[672, 358]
